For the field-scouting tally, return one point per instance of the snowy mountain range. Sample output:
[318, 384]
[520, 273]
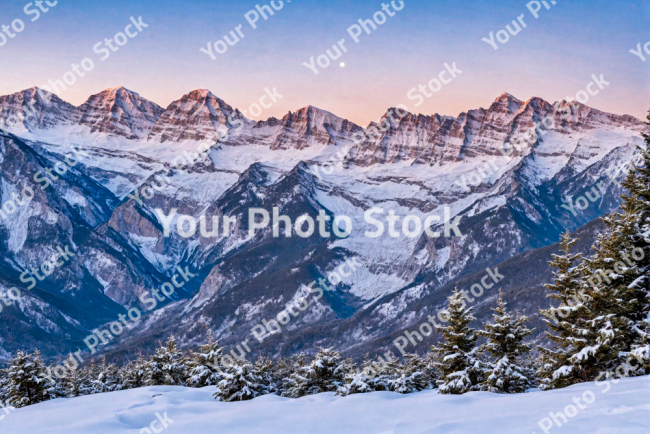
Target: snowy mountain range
[104, 162]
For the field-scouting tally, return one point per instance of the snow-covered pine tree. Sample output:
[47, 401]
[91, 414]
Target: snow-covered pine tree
[533, 362]
[430, 371]
[363, 379]
[134, 374]
[621, 280]
[609, 325]
[107, 378]
[265, 368]
[4, 387]
[92, 371]
[567, 321]
[282, 370]
[4, 383]
[456, 357]
[242, 381]
[638, 186]
[505, 342]
[26, 384]
[355, 382]
[606, 331]
[326, 373]
[383, 374]
[413, 375]
[57, 388]
[167, 366]
[78, 381]
[204, 365]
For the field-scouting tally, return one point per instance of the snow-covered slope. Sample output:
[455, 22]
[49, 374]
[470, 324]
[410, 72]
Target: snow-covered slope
[622, 409]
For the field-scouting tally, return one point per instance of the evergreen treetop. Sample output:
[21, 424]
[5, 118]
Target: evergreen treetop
[25, 382]
[505, 342]
[457, 360]
[167, 366]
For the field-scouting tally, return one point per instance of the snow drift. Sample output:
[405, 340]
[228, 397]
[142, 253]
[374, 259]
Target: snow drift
[621, 408]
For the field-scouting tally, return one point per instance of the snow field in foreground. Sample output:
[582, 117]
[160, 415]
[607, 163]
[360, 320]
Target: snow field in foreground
[624, 408]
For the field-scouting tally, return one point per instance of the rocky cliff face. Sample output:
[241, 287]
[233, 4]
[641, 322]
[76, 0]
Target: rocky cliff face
[438, 140]
[35, 109]
[199, 115]
[115, 111]
[121, 112]
[103, 203]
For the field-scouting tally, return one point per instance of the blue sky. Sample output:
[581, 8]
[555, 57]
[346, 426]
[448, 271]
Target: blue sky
[553, 57]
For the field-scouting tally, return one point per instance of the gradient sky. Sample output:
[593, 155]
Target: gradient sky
[554, 57]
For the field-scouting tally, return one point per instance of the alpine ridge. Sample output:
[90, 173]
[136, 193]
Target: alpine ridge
[133, 157]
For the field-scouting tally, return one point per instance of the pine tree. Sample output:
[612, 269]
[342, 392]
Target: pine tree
[55, 385]
[568, 321]
[265, 369]
[430, 371]
[242, 381]
[619, 286]
[373, 375]
[412, 377]
[456, 358]
[58, 379]
[621, 279]
[355, 381]
[605, 331]
[167, 366]
[107, 378]
[203, 366]
[78, 382]
[638, 185]
[282, 370]
[383, 374]
[633, 273]
[92, 371]
[26, 384]
[134, 374]
[4, 384]
[609, 324]
[326, 373]
[505, 342]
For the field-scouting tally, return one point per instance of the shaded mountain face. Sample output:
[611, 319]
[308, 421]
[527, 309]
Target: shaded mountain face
[117, 163]
[63, 223]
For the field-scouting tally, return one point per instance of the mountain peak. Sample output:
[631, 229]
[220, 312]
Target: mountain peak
[118, 110]
[38, 90]
[33, 109]
[119, 91]
[507, 102]
[538, 104]
[200, 93]
[198, 115]
[313, 109]
[313, 116]
[506, 97]
[36, 94]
